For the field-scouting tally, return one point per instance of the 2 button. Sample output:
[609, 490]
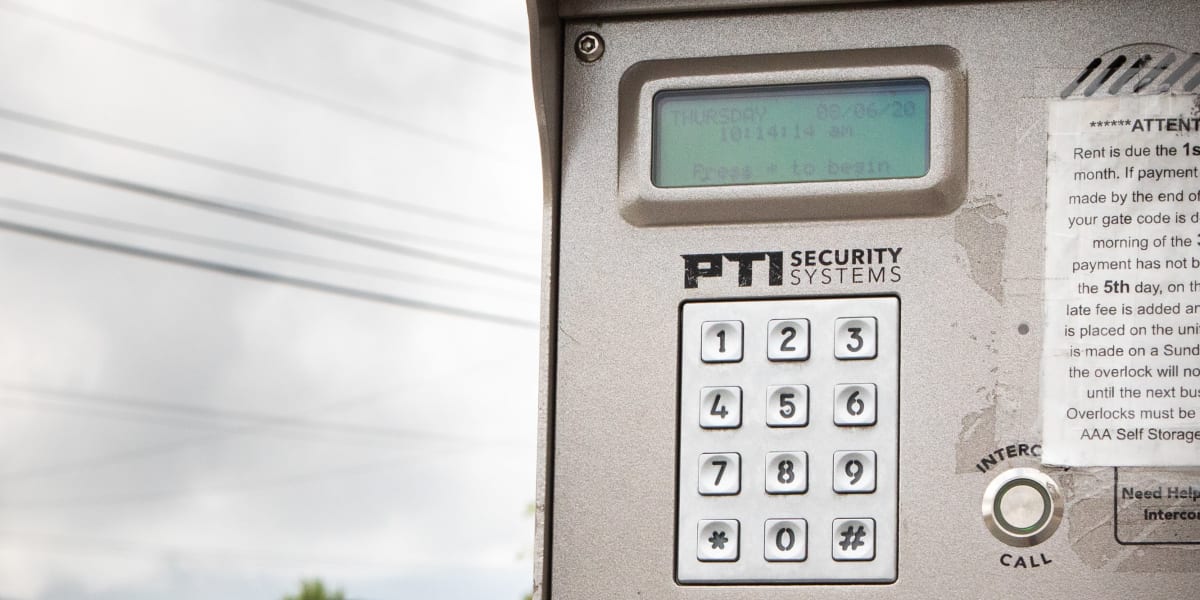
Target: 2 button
[787, 339]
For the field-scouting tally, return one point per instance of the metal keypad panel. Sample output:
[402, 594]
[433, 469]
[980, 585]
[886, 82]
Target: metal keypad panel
[788, 441]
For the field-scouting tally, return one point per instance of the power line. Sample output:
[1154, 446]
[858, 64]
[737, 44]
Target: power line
[130, 415]
[401, 36]
[267, 276]
[169, 493]
[247, 171]
[158, 450]
[154, 450]
[108, 547]
[191, 411]
[233, 246]
[253, 214]
[248, 79]
[466, 20]
[407, 236]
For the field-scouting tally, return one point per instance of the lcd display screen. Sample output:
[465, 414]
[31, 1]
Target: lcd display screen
[791, 133]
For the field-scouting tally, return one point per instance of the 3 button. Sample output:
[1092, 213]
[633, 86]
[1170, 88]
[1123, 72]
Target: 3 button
[854, 338]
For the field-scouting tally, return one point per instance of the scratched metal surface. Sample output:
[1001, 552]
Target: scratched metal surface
[971, 280]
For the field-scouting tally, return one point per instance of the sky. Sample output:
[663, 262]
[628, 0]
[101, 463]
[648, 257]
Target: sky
[269, 298]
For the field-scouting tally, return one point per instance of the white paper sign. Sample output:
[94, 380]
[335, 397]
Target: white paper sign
[1121, 354]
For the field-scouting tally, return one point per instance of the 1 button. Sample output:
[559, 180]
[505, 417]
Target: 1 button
[720, 474]
[721, 341]
[787, 405]
[717, 540]
[721, 407]
[853, 539]
[785, 540]
[854, 471]
[787, 339]
[787, 472]
[854, 404]
[854, 338]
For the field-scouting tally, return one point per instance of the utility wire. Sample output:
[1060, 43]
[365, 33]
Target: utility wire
[232, 246]
[191, 411]
[93, 463]
[253, 214]
[107, 547]
[407, 236]
[267, 276]
[251, 80]
[402, 36]
[170, 493]
[131, 416]
[252, 172]
[158, 450]
[465, 20]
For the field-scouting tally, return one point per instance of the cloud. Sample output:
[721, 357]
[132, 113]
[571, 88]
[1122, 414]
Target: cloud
[103, 497]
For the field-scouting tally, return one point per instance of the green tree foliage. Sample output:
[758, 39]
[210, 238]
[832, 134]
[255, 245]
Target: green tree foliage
[314, 589]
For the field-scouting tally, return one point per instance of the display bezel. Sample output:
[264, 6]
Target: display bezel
[938, 192]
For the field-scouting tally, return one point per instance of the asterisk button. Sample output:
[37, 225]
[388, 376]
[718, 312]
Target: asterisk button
[717, 540]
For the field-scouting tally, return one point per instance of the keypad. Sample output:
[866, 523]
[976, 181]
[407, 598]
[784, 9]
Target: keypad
[788, 441]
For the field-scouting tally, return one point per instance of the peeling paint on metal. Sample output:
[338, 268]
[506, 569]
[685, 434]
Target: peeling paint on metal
[980, 229]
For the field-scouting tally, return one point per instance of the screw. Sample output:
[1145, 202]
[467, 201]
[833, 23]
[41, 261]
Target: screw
[589, 47]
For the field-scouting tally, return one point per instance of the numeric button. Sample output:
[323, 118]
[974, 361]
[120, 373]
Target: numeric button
[854, 471]
[787, 339]
[721, 407]
[721, 341]
[720, 474]
[854, 338]
[787, 406]
[785, 540]
[854, 404]
[787, 472]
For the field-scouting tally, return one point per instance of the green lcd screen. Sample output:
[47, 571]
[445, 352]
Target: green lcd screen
[791, 133]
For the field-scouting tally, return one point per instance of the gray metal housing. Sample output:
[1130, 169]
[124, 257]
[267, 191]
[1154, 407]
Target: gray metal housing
[972, 292]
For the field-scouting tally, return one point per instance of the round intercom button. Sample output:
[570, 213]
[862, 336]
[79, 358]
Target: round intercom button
[1022, 507]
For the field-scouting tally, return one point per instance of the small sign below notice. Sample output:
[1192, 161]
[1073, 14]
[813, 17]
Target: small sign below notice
[1121, 354]
[1157, 506]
